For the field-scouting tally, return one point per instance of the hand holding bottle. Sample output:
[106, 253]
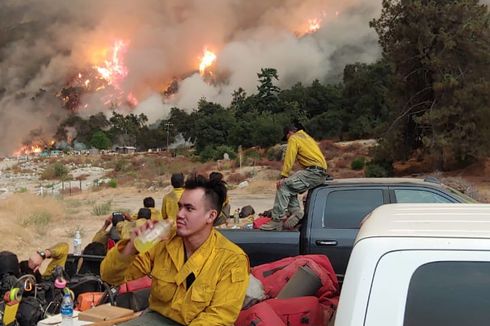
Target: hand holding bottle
[148, 235]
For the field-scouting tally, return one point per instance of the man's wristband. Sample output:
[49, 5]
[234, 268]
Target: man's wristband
[41, 253]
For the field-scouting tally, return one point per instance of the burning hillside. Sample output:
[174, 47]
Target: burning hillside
[85, 57]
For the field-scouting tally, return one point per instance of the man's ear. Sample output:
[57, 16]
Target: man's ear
[213, 214]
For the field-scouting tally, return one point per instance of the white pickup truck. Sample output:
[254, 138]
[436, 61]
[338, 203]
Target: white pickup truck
[419, 265]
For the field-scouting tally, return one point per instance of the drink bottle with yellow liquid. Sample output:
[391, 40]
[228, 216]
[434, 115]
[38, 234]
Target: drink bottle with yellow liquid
[151, 236]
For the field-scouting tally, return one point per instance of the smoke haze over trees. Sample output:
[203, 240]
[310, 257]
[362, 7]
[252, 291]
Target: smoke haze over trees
[425, 90]
[45, 43]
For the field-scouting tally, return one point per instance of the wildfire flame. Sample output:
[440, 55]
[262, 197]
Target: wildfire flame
[114, 70]
[28, 149]
[106, 77]
[207, 60]
[314, 24]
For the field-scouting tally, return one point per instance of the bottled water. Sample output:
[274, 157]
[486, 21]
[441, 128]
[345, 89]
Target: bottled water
[66, 310]
[150, 237]
[236, 217]
[77, 243]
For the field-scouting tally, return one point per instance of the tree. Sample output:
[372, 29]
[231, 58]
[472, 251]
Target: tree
[100, 140]
[212, 124]
[365, 109]
[180, 121]
[267, 96]
[125, 129]
[439, 52]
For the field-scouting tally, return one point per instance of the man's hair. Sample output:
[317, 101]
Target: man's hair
[177, 180]
[90, 266]
[149, 202]
[216, 176]
[214, 190]
[144, 213]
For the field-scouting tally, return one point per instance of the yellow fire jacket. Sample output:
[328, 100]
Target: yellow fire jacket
[305, 149]
[125, 227]
[59, 254]
[221, 271]
[155, 215]
[170, 204]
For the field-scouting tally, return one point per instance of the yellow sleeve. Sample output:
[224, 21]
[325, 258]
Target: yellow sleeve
[229, 295]
[116, 268]
[59, 254]
[289, 158]
[155, 214]
[164, 208]
[101, 236]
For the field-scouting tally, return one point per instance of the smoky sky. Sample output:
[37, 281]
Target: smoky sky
[44, 42]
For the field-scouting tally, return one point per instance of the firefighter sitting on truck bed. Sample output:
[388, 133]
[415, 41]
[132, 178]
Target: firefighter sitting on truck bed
[301, 147]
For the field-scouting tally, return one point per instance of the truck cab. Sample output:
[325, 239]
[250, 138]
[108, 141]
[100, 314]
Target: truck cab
[419, 264]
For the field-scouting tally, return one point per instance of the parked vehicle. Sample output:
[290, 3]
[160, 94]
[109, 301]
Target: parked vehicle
[419, 264]
[333, 212]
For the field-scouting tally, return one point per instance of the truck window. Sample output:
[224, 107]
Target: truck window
[449, 293]
[345, 209]
[418, 196]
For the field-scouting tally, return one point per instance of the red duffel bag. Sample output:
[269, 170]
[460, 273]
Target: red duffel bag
[275, 275]
[260, 314]
[301, 311]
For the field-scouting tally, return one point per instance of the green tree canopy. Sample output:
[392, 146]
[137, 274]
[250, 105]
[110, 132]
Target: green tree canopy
[440, 55]
[100, 140]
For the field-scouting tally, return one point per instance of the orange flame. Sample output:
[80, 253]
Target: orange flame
[314, 25]
[114, 70]
[28, 149]
[207, 60]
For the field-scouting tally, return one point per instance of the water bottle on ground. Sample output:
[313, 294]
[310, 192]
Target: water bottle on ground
[66, 310]
[77, 243]
[236, 217]
[146, 240]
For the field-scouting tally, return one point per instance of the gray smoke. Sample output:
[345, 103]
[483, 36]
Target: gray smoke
[44, 43]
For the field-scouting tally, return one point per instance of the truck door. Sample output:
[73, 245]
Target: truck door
[335, 215]
[429, 288]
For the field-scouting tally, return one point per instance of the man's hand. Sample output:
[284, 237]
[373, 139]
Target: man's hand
[107, 221]
[280, 182]
[35, 261]
[126, 215]
[130, 249]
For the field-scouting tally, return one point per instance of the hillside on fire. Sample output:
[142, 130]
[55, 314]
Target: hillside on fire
[221, 75]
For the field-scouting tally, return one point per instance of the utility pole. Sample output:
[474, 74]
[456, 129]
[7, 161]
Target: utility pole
[167, 126]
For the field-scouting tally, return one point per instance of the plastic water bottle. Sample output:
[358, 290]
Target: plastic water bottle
[66, 310]
[77, 243]
[146, 240]
[236, 217]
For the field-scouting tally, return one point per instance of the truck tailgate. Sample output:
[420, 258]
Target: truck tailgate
[265, 246]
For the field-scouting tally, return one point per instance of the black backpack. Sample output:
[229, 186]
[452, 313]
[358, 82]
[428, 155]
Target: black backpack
[30, 311]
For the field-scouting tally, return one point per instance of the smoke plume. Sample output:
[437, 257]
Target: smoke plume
[45, 43]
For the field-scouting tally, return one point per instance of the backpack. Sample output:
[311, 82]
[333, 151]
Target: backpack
[30, 311]
[281, 312]
[9, 263]
[134, 294]
[275, 275]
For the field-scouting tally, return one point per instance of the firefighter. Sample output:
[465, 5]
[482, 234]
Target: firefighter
[58, 255]
[199, 276]
[170, 200]
[301, 147]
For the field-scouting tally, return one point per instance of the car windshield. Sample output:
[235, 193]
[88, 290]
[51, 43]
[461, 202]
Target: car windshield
[464, 198]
